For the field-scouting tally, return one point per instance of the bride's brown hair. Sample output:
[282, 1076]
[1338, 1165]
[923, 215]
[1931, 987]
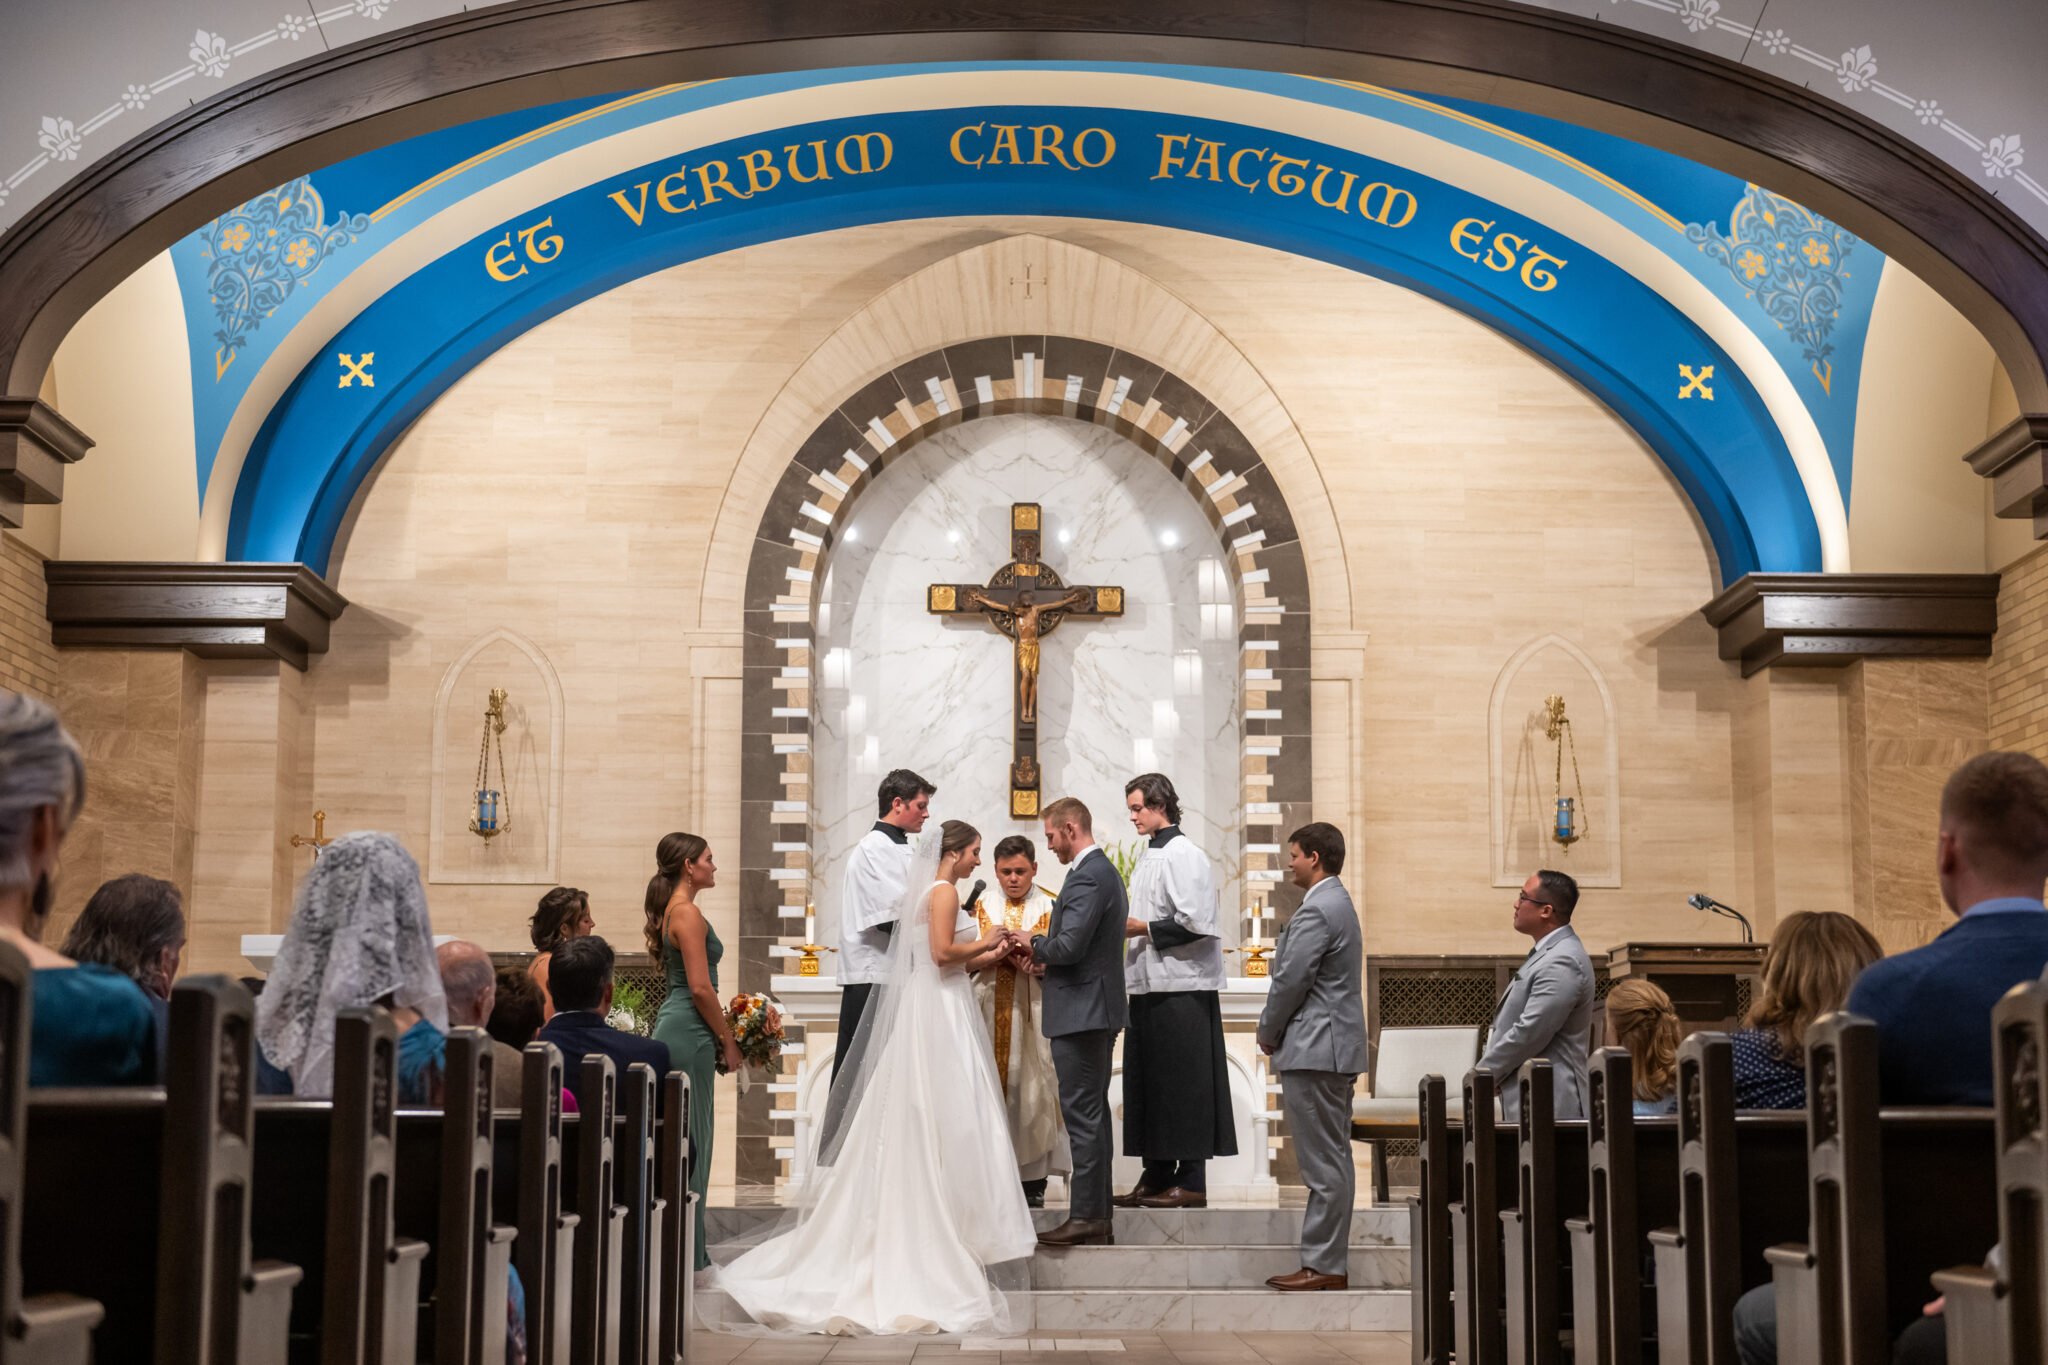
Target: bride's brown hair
[956, 836]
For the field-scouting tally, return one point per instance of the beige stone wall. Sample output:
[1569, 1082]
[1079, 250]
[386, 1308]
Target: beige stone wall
[2017, 679]
[28, 661]
[139, 717]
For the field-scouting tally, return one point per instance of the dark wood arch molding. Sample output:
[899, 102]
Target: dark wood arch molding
[135, 202]
[843, 456]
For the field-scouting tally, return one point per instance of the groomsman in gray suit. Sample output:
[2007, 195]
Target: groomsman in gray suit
[1313, 1027]
[1083, 1009]
[1548, 1008]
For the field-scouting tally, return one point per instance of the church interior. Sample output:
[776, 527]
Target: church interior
[1601, 437]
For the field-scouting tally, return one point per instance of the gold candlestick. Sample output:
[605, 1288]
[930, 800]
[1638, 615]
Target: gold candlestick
[808, 964]
[1254, 958]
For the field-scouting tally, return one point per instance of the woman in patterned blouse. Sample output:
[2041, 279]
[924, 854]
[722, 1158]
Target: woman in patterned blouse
[1813, 960]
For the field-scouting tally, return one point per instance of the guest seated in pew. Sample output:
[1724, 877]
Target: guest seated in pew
[471, 985]
[91, 1024]
[516, 1018]
[1932, 1005]
[271, 1079]
[564, 913]
[359, 935]
[1640, 1018]
[581, 976]
[1813, 960]
[136, 925]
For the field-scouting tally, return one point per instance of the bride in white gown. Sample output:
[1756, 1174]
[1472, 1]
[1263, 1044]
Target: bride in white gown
[913, 1193]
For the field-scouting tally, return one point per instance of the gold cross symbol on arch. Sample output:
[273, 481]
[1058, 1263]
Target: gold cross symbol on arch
[1695, 385]
[353, 369]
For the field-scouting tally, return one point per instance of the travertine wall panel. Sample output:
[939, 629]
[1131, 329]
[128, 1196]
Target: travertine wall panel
[2017, 677]
[139, 718]
[1911, 723]
[28, 661]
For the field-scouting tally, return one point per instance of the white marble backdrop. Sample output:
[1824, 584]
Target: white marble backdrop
[1154, 690]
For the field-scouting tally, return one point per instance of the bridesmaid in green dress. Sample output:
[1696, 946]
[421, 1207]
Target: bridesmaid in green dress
[691, 1020]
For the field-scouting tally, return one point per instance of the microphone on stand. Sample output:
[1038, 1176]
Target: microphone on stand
[1700, 900]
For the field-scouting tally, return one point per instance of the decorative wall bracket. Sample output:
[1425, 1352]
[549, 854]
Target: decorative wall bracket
[2016, 462]
[218, 611]
[35, 445]
[1814, 620]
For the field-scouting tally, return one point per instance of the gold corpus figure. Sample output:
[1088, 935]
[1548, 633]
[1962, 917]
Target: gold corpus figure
[1027, 639]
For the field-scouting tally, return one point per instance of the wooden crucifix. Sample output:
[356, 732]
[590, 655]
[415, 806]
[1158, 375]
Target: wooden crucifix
[1025, 600]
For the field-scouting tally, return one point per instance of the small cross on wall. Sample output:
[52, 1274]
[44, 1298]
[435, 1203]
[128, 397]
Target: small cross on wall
[1027, 281]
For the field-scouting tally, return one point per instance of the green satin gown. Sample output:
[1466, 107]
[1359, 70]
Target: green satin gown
[693, 1048]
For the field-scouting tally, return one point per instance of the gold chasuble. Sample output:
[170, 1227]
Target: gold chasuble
[1009, 1002]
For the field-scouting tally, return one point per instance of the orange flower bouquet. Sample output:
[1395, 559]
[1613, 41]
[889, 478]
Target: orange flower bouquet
[756, 1024]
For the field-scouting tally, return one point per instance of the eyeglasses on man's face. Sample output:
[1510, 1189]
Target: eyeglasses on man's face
[1523, 898]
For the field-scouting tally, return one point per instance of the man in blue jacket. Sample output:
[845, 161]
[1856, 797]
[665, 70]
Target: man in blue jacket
[580, 980]
[1932, 1006]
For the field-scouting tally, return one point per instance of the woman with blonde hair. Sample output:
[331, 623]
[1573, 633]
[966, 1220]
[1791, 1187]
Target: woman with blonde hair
[1813, 960]
[1640, 1018]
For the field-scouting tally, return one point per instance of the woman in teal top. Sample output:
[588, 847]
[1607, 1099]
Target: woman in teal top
[90, 1025]
[691, 1020]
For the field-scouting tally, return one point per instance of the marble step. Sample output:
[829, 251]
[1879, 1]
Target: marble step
[1218, 1227]
[1173, 1310]
[1202, 1267]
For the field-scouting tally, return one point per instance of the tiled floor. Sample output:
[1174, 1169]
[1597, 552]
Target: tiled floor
[1118, 1348]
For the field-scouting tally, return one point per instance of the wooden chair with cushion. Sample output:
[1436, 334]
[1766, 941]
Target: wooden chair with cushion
[1389, 1110]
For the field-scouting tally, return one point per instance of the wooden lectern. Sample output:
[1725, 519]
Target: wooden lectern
[1702, 979]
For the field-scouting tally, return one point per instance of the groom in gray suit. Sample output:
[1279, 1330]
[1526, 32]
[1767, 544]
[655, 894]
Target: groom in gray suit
[1313, 1027]
[1083, 1009]
[1547, 1010]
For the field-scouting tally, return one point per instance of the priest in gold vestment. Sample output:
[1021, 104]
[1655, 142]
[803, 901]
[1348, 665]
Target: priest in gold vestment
[1009, 1001]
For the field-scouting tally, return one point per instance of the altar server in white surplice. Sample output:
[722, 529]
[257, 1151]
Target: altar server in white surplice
[1009, 1000]
[871, 892]
[1176, 1078]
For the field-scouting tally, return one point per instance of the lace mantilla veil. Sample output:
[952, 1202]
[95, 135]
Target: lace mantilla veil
[863, 1112]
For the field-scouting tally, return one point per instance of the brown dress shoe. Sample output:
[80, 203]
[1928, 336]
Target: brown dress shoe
[1306, 1281]
[1139, 1192]
[1080, 1232]
[1175, 1198]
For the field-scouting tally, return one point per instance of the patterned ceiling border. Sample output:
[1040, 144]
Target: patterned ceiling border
[1054, 376]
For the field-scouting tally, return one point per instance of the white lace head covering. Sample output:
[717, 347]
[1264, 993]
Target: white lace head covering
[359, 932]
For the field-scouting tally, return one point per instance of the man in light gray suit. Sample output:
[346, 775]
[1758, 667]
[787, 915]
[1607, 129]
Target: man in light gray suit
[1547, 1010]
[1313, 1027]
[1083, 1007]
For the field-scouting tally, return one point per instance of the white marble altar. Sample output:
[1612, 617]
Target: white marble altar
[1154, 690]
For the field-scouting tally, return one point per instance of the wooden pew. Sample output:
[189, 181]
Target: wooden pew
[545, 1250]
[213, 1302]
[370, 1313]
[1429, 1235]
[2001, 1317]
[1632, 1182]
[1478, 1335]
[1529, 1230]
[601, 1223]
[1699, 1270]
[1894, 1198]
[473, 1257]
[51, 1328]
[636, 1152]
[1830, 1290]
[678, 1239]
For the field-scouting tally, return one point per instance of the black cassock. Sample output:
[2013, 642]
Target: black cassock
[1176, 1081]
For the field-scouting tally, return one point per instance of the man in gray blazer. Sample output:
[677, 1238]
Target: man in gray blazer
[1547, 1010]
[1083, 1007]
[1313, 1027]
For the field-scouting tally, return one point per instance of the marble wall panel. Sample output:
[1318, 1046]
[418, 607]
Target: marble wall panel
[898, 687]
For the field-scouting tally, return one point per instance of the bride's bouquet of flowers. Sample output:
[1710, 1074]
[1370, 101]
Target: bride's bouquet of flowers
[756, 1026]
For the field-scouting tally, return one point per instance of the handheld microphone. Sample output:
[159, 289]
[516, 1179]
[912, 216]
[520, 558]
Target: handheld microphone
[974, 896]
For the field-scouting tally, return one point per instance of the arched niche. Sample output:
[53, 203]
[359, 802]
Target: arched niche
[528, 852]
[1525, 767]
